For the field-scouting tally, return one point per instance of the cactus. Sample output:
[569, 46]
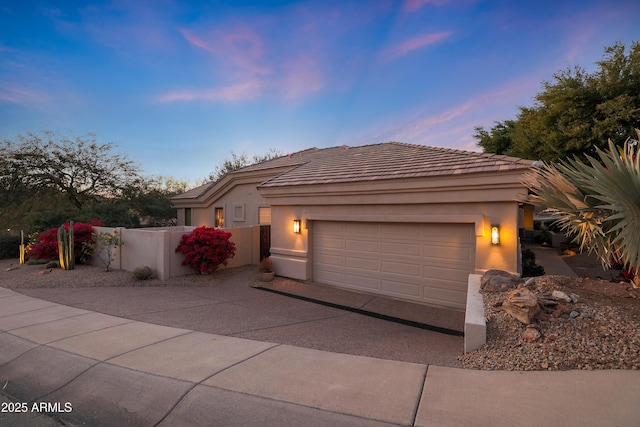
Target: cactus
[65, 247]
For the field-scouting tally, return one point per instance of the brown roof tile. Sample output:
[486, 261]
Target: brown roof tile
[384, 161]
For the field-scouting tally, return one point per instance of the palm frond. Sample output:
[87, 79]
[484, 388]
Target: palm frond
[598, 202]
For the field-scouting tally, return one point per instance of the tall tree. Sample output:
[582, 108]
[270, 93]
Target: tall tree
[151, 200]
[76, 166]
[238, 161]
[576, 112]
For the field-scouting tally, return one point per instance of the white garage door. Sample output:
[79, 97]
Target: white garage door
[425, 262]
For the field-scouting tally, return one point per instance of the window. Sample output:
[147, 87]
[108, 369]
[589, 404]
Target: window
[238, 212]
[264, 216]
[219, 217]
[187, 216]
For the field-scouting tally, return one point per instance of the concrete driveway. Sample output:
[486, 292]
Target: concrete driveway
[234, 308]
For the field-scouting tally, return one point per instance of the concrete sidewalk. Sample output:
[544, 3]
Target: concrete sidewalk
[88, 368]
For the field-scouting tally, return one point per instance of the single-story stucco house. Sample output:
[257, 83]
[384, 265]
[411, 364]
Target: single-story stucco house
[403, 220]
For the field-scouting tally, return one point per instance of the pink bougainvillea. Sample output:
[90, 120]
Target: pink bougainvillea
[47, 246]
[206, 248]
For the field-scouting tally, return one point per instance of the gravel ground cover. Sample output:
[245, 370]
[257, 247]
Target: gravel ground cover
[599, 331]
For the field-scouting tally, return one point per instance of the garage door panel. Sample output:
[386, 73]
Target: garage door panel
[330, 277]
[449, 274]
[367, 264]
[361, 245]
[324, 259]
[398, 231]
[447, 253]
[332, 243]
[447, 232]
[401, 268]
[362, 282]
[402, 289]
[423, 262]
[400, 248]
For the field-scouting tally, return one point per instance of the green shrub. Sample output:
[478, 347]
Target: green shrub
[9, 247]
[143, 273]
[529, 266]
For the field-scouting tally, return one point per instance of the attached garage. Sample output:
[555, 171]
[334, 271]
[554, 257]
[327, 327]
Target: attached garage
[429, 263]
[401, 220]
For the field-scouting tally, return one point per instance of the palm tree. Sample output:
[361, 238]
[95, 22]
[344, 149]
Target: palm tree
[598, 203]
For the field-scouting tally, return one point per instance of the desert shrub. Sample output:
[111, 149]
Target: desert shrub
[103, 245]
[9, 247]
[47, 246]
[143, 273]
[206, 248]
[529, 266]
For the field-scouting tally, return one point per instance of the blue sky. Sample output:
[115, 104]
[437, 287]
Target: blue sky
[178, 85]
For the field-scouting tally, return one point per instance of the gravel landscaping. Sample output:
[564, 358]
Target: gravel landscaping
[599, 331]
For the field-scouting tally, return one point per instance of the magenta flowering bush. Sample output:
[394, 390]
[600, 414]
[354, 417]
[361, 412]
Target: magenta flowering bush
[47, 246]
[206, 248]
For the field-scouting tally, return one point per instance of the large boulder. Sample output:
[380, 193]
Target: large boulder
[522, 304]
[499, 281]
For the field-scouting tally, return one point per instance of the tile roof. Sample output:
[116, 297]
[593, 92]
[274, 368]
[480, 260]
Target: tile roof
[389, 160]
[292, 160]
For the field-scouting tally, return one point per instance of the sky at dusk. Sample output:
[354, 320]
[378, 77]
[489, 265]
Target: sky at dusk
[177, 85]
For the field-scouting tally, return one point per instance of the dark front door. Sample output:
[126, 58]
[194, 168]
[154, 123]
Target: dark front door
[265, 241]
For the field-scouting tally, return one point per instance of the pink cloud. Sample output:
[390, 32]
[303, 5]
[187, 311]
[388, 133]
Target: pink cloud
[238, 92]
[414, 5]
[239, 47]
[453, 127]
[415, 43]
[302, 76]
[21, 96]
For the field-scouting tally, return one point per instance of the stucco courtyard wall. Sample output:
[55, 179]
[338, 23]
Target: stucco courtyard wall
[155, 248]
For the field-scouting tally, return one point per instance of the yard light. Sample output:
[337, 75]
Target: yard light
[296, 226]
[495, 234]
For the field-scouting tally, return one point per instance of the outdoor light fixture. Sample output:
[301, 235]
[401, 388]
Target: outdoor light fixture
[495, 234]
[296, 226]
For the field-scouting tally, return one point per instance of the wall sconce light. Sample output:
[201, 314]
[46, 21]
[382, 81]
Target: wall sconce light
[495, 234]
[296, 226]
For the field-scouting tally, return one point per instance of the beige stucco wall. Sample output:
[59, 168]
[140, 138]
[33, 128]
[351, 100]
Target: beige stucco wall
[240, 204]
[155, 248]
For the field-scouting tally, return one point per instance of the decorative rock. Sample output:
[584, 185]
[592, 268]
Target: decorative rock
[499, 281]
[560, 310]
[531, 334]
[559, 295]
[574, 298]
[574, 314]
[531, 281]
[522, 304]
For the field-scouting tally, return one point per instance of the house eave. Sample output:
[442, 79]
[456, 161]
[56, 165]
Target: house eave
[505, 186]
